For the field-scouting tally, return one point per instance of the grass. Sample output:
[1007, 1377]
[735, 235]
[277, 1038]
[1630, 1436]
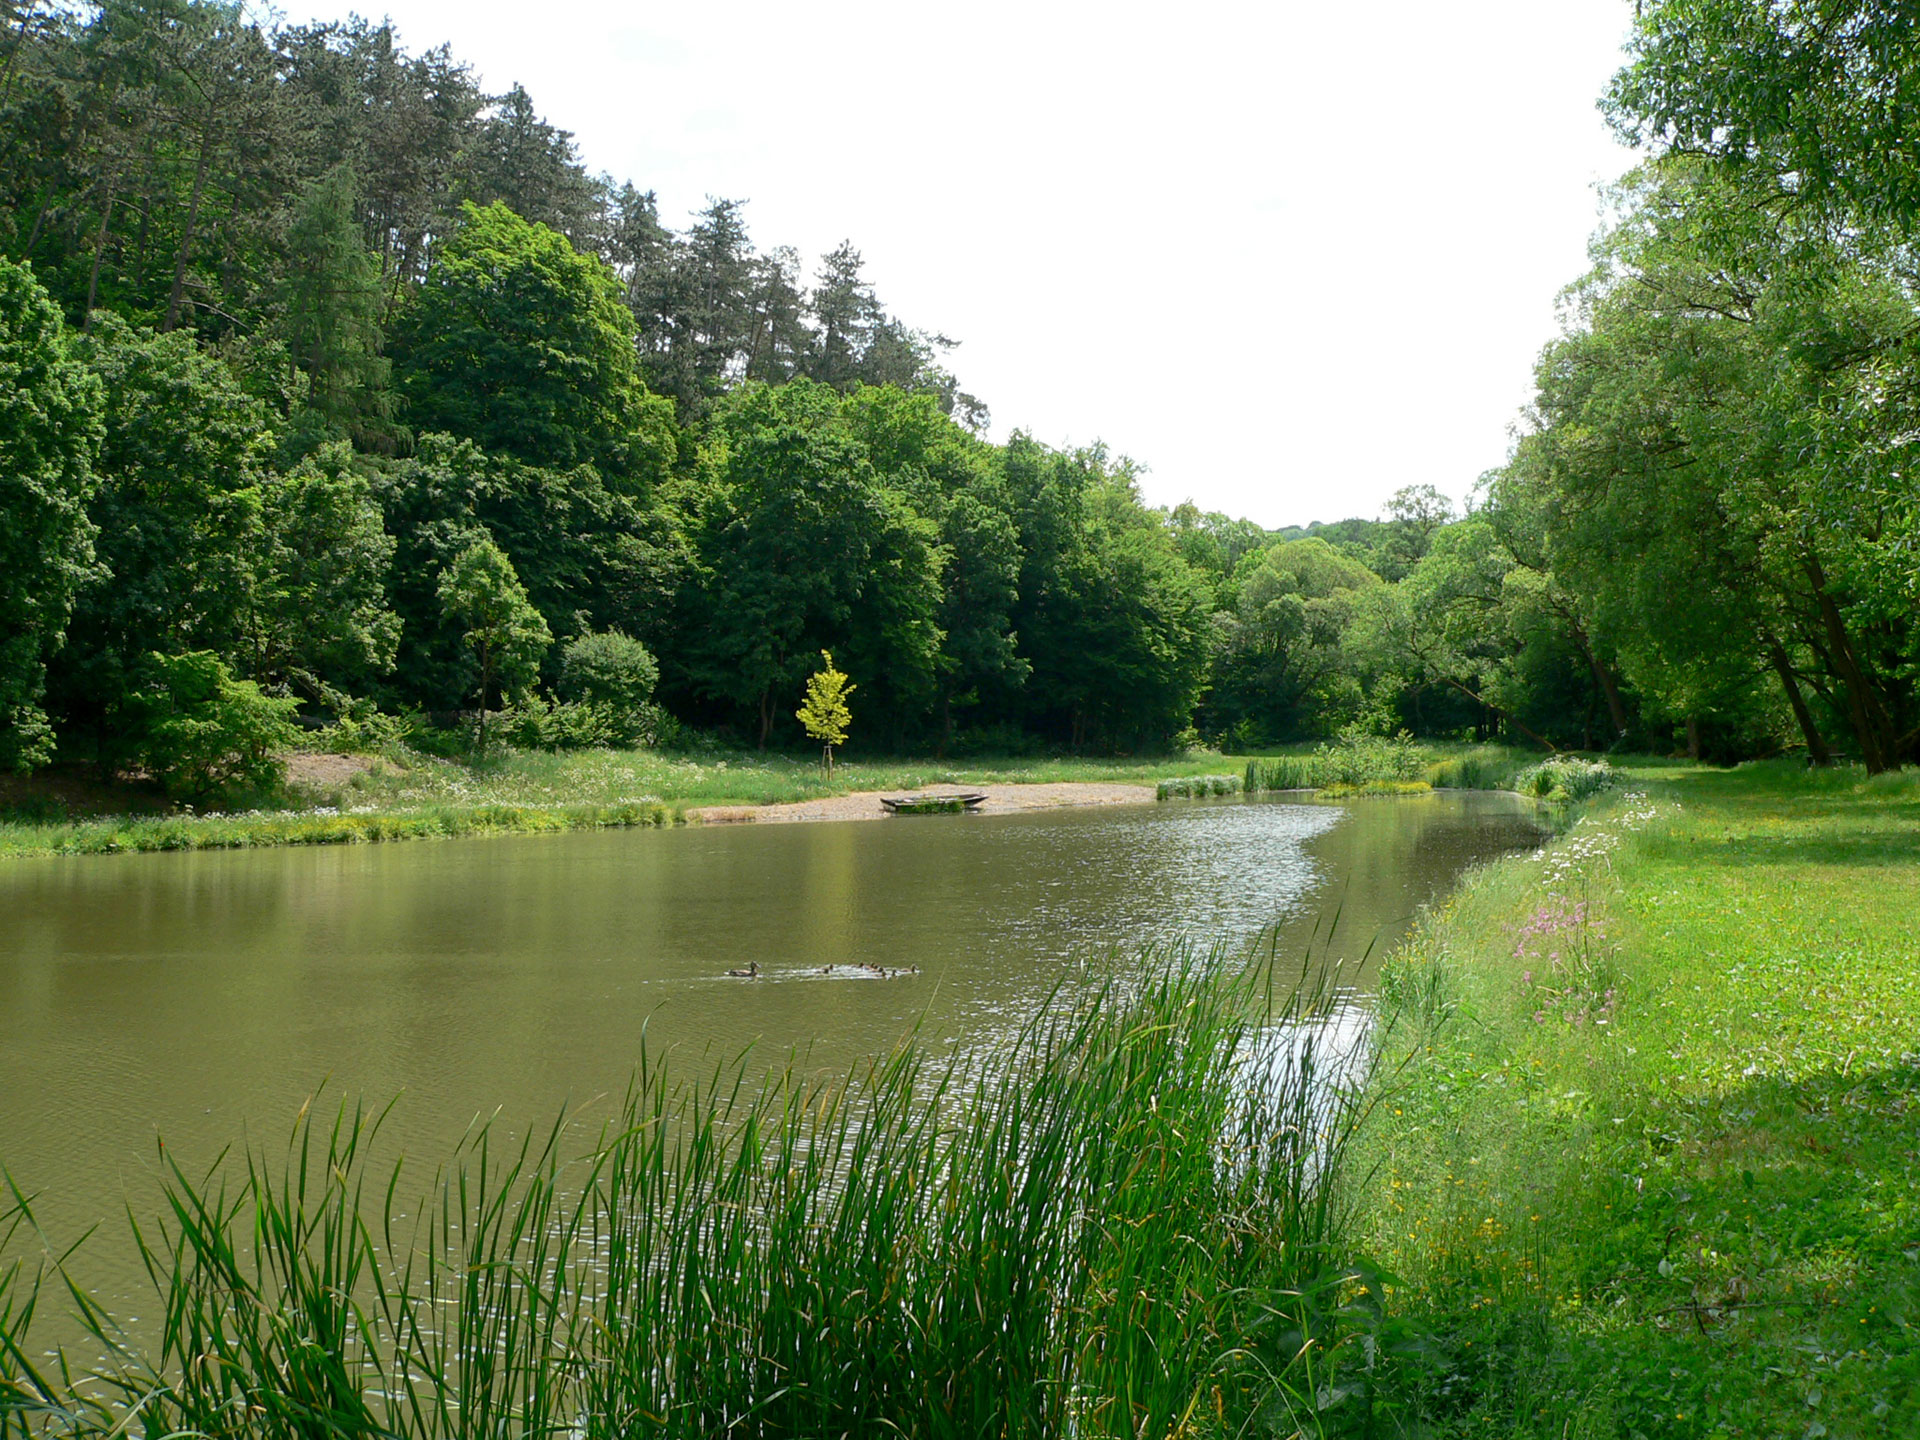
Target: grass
[1653, 1167]
[1116, 1226]
[532, 792]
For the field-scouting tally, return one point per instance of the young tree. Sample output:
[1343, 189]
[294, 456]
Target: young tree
[506, 633]
[824, 712]
[49, 436]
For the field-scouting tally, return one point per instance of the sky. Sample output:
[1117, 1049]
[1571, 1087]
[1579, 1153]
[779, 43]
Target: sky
[1288, 257]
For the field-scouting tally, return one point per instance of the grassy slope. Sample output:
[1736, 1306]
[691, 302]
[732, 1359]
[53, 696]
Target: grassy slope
[1691, 1206]
[536, 791]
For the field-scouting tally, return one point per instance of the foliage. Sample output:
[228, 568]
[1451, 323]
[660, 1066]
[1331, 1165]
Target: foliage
[614, 675]
[49, 435]
[203, 734]
[824, 713]
[1815, 97]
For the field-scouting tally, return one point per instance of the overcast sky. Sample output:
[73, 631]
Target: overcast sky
[1288, 256]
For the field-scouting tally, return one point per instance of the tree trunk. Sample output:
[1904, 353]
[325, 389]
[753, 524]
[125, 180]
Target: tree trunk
[1863, 705]
[99, 254]
[766, 715]
[186, 232]
[486, 684]
[1693, 737]
[1540, 740]
[1616, 711]
[1817, 752]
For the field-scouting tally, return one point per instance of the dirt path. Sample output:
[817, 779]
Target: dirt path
[865, 804]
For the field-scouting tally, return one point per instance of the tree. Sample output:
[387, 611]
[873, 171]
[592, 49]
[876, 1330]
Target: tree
[523, 345]
[178, 513]
[201, 733]
[1284, 671]
[320, 618]
[801, 546]
[824, 712]
[49, 437]
[331, 305]
[1817, 99]
[480, 590]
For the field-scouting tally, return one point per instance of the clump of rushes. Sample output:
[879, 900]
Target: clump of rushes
[1197, 787]
[1125, 1223]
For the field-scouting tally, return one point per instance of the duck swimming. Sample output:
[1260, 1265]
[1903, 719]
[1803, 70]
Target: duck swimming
[752, 972]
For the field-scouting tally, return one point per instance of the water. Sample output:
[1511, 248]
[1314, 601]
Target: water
[202, 997]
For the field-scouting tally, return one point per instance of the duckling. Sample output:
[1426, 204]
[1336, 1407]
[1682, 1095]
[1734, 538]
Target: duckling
[752, 972]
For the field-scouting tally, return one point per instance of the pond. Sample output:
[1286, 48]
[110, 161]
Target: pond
[202, 997]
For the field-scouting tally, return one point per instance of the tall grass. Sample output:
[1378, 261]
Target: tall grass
[1284, 772]
[128, 833]
[1123, 1224]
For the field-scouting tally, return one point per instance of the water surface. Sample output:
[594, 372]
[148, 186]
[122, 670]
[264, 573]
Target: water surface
[201, 997]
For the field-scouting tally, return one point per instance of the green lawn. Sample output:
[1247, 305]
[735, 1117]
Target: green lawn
[1652, 1165]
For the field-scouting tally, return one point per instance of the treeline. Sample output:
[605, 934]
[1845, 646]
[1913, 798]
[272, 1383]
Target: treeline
[331, 385]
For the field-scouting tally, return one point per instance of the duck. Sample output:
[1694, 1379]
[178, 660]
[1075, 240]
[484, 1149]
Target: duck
[752, 972]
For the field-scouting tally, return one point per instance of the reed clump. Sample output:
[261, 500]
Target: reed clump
[1126, 1223]
[1198, 787]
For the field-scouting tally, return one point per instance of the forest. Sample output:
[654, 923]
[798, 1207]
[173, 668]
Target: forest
[336, 391]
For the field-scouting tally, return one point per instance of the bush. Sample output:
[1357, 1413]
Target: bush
[1565, 779]
[1359, 757]
[613, 672]
[201, 733]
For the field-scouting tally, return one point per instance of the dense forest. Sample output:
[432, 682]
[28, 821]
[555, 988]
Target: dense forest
[333, 388]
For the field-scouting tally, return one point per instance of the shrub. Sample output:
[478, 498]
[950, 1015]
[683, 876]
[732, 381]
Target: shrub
[1359, 757]
[613, 672]
[1565, 779]
[201, 733]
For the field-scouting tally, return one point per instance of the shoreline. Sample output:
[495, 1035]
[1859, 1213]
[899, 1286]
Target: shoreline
[1009, 798]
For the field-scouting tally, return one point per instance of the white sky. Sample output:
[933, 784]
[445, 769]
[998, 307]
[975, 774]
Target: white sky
[1288, 256]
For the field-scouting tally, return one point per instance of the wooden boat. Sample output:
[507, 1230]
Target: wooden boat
[944, 804]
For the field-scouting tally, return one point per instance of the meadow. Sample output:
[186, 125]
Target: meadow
[1651, 1161]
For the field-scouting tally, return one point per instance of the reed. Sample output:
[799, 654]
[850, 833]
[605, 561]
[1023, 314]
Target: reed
[1196, 787]
[1285, 772]
[1127, 1223]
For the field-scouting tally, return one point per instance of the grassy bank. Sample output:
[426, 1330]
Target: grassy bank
[1109, 1229]
[419, 797]
[1653, 1164]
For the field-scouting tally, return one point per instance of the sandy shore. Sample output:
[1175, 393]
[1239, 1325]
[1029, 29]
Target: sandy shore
[865, 804]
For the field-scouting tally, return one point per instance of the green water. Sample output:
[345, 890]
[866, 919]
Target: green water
[202, 997]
